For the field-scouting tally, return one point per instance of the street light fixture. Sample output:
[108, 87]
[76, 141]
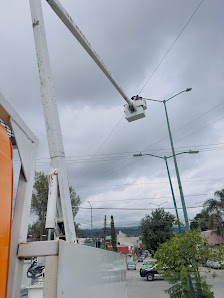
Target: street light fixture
[168, 172]
[174, 155]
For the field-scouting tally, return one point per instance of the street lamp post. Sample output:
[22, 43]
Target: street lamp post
[168, 172]
[91, 220]
[174, 156]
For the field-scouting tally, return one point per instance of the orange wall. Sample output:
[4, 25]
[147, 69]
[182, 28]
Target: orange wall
[6, 193]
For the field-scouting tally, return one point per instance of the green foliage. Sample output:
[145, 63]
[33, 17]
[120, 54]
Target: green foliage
[215, 207]
[75, 201]
[156, 228]
[39, 204]
[210, 218]
[39, 201]
[201, 220]
[113, 235]
[181, 256]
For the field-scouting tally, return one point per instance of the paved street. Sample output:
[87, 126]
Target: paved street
[139, 287]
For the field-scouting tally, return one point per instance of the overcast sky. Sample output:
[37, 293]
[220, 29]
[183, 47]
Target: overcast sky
[131, 37]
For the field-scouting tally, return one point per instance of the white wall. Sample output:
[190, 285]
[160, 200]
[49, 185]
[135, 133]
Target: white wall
[90, 272]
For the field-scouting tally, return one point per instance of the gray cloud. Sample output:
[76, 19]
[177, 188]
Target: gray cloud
[131, 37]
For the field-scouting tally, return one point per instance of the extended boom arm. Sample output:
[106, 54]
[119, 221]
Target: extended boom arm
[133, 110]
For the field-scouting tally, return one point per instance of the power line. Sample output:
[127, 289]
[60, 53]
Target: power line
[178, 36]
[127, 152]
[135, 209]
[147, 183]
[158, 198]
[116, 158]
[103, 142]
[126, 157]
[171, 46]
[128, 164]
[199, 129]
[195, 119]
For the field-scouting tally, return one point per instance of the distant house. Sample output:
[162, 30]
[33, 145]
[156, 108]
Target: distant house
[212, 237]
[108, 240]
[120, 248]
[131, 242]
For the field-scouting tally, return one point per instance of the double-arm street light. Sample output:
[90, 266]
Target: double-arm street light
[168, 172]
[173, 151]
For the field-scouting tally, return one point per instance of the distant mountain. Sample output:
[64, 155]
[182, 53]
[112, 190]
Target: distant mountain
[129, 231]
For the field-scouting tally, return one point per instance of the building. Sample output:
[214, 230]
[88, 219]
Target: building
[120, 248]
[131, 242]
[212, 237]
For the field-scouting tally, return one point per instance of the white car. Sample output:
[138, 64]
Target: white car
[209, 264]
[213, 264]
[216, 264]
[131, 266]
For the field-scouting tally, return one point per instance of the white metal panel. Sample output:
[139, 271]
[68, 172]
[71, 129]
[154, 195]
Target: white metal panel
[38, 249]
[7, 112]
[90, 272]
[51, 277]
[24, 191]
[35, 291]
[20, 226]
[25, 147]
[52, 200]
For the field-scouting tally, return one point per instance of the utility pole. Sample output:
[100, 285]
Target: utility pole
[174, 156]
[177, 172]
[104, 232]
[91, 214]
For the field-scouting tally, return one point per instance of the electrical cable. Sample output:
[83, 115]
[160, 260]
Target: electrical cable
[105, 173]
[135, 209]
[192, 121]
[80, 174]
[184, 148]
[147, 183]
[40, 164]
[171, 47]
[141, 199]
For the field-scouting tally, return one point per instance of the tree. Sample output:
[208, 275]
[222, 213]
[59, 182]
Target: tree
[39, 200]
[201, 220]
[181, 257]
[215, 207]
[156, 228]
[113, 234]
[39, 204]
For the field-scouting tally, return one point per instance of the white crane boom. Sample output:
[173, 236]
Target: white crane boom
[70, 24]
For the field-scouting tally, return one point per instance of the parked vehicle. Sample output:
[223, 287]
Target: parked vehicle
[150, 273]
[148, 263]
[208, 264]
[131, 266]
[214, 264]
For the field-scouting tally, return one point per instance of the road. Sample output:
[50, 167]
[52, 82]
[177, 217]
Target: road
[139, 287]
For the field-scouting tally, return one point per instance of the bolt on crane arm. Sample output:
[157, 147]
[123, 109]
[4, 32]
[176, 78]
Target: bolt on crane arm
[133, 111]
